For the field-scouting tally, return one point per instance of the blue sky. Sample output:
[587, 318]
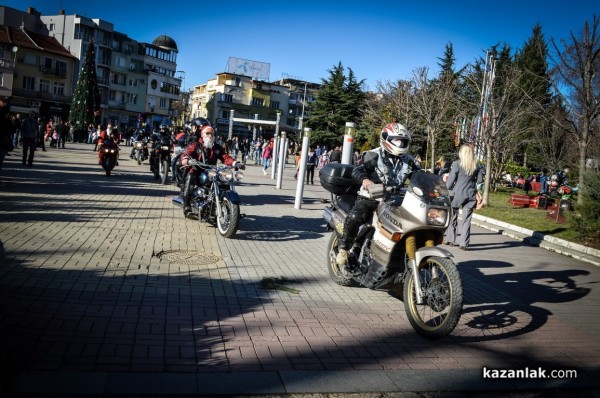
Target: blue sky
[379, 40]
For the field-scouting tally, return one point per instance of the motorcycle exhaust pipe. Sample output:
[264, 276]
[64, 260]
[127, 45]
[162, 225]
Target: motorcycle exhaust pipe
[178, 200]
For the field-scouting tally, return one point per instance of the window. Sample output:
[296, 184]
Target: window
[163, 103]
[238, 81]
[46, 64]
[133, 82]
[1, 79]
[257, 102]
[59, 88]
[61, 68]
[132, 98]
[30, 59]
[225, 114]
[227, 98]
[51, 27]
[274, 105]
[120, 61]
[44, 86]
[112, 95]
[29, 83]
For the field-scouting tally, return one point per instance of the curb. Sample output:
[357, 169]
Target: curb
[536, 238]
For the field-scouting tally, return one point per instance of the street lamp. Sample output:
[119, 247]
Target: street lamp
[14, 50]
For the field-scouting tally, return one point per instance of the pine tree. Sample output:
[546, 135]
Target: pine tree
[85, 106]
[339, 100]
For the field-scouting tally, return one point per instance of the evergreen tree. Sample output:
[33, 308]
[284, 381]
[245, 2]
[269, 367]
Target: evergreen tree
[339, 100]
[85, 106]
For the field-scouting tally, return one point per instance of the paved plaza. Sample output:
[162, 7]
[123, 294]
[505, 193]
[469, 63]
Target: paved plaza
[105, 288]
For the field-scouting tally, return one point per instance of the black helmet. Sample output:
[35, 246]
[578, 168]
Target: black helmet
[200, 122]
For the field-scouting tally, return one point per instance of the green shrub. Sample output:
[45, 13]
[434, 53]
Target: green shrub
[514, 169]
[587, 219]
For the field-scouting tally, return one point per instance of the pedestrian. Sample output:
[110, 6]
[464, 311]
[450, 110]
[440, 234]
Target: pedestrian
[17, 135]
[267, 153]
[311, 163]
[61, 133]
[7, 129]
[257, 152]
[41, 133]
[462, 182]
[336, 155]
[297, 158]
[29, 132]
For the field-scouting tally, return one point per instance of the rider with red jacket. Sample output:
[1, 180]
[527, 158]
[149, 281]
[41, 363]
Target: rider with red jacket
[205, 149]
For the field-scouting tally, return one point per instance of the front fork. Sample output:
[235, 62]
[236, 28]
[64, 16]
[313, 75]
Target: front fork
[411, 250]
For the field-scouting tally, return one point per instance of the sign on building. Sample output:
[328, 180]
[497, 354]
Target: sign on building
[255, 69]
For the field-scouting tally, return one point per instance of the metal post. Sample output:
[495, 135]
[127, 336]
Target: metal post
[281, 159]
[275, 157]
[231, 114]
[275, 152]
[302, 168]
[348, 148]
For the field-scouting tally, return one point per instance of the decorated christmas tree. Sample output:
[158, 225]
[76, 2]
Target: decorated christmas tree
[85, 106]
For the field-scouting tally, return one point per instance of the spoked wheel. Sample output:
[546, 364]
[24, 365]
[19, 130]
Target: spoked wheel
[338, 274]
[442, 298]
[229, 219]
[164, 171]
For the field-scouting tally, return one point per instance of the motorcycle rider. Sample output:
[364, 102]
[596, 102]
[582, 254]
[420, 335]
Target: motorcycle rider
[111, 137]
[205, 149]
[178, 147]
[158, 137]
[389, 164]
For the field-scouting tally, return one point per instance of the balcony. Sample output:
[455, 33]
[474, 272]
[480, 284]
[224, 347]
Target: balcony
[7, 63]
[103, 81]
[38, 95]
[116, 104]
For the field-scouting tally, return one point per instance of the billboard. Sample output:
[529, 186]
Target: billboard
[255, 69]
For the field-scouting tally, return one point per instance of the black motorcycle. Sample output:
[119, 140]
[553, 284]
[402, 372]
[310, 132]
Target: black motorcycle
[214, 199]
[160, 159]
[140, 144]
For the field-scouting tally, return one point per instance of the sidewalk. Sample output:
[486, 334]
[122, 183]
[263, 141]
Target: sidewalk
[105, 288]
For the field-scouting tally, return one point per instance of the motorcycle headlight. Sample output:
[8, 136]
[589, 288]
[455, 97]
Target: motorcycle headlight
[225, 175]
[112, 151]
[437, 216]
[212, 173]
[164, 148]
[239, 175]
[105, 149]
[138, 145]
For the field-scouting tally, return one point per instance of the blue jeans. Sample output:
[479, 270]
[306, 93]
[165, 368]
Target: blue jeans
[266, 163]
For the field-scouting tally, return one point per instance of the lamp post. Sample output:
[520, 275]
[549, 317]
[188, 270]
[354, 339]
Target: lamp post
[14, 50]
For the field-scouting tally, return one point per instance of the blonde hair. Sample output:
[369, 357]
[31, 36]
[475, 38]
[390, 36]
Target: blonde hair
[467, 159]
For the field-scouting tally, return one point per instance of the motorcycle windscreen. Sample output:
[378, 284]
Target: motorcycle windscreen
[430, 188]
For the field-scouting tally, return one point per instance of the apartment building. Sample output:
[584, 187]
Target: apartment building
[136, 80]
[35, 69]
[245, 98]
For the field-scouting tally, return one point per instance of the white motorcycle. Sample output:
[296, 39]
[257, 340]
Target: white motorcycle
[398, 247]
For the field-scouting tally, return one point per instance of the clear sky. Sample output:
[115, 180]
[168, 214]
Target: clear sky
[379, 40]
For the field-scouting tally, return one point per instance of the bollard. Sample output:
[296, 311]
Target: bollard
[348, 148]
[302, 168]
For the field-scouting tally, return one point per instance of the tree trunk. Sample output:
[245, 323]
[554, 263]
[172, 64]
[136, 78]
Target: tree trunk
[488, 173]
[582, 156]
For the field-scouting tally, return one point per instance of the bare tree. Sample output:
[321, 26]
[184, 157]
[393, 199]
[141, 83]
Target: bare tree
[577, 68]
[431, 103]
[501, 132]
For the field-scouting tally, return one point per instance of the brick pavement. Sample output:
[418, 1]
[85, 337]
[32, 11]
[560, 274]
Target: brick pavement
[91, 302]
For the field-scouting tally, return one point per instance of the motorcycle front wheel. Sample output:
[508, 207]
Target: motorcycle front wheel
[337, 273]
[108, 164]
[442, 303]
[229, 219]
[164, 171]
[138, 156]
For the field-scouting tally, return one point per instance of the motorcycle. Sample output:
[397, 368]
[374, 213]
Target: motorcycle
[398, 248]
[140, 150]
[214, 199]
[110, 153]
[179, 172]
[160, 160]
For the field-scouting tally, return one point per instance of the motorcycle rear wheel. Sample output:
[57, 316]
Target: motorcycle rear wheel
[442, 298]
[229, 219]
[337, 274]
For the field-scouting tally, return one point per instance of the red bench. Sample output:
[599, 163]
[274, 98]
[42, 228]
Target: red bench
[517, 200]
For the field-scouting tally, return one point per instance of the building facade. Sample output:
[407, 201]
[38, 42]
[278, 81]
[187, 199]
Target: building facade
[35, 69]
